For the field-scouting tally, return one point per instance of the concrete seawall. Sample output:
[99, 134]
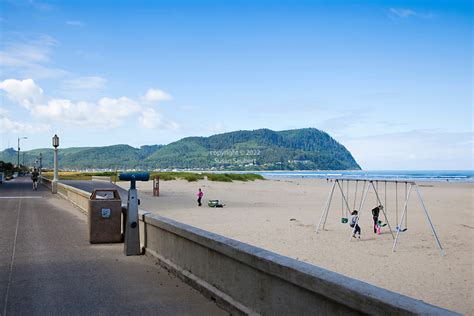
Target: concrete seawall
[249, 280]
[76, 196]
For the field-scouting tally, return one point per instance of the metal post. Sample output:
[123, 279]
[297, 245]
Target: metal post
[18, 152]
[132, 231]
[326, 207]
[383, 211]
[344, 196]
[131, 223]
[54, 183]
[329, 206]
[363, 190]
[401, 220]
[40, 167]
[429, 220]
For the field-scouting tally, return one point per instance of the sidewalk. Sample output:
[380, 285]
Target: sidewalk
[47, 265]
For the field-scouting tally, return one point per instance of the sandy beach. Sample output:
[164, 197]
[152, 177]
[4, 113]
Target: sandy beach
[282, 215]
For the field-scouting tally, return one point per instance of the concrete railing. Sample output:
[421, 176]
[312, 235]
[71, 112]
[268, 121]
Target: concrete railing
[102, 178]
[46, 182]
[78, 197]
[251, 280]
[245, 279]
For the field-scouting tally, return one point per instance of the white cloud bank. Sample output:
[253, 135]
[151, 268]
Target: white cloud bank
[104, 113]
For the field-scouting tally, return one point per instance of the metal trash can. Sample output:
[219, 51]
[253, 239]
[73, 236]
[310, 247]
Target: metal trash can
[105, 214]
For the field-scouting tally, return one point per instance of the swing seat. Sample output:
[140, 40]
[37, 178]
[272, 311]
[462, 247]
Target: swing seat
[380, 224]
[344, 220]
[401, 229]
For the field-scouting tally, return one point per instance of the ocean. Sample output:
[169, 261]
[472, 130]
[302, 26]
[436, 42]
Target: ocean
[415, 175]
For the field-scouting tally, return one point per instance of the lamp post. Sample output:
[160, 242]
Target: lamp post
[18, 161]
[54, 183]
[40, 167]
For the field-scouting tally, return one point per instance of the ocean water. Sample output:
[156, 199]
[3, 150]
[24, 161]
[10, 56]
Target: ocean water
[416, 175]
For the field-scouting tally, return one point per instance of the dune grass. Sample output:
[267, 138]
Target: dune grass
[72, 175]
[165, 176]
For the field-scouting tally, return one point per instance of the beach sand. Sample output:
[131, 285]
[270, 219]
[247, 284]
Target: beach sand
[282, 215]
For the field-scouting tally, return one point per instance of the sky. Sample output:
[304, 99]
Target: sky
[391, 80]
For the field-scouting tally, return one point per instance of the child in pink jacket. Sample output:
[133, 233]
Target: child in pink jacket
[200, 194]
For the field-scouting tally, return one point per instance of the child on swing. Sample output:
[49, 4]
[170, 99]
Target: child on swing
[353, 223]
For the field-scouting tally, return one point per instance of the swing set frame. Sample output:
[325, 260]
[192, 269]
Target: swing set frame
[368, 184]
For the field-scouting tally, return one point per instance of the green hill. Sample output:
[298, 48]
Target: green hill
[263, 149]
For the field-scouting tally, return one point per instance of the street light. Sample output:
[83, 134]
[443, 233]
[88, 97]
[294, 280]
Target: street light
[18, 161]
[54, 183]
[55, 141]
[40, 167]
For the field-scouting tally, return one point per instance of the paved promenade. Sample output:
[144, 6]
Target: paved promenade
[48, 267]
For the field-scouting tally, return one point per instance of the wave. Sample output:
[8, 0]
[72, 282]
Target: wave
[422, 175]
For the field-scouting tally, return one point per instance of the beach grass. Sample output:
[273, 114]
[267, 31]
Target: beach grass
[165, 176]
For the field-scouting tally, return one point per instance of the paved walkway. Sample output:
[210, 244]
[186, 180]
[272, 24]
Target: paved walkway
[47, 265]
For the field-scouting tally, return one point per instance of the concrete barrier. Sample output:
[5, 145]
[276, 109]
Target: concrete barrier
[102, 178]
[251, 280]
[46, 182]
[78, 197]
[245, 279]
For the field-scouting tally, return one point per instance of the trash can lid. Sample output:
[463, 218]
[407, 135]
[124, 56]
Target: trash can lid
[105, 194]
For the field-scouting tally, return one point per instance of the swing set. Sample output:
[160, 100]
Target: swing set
[373, 185]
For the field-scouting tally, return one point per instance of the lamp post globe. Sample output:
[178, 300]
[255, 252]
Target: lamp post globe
[55, 141]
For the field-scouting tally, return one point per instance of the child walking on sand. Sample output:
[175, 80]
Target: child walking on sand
[200, 194]
[353, 223]
[375, 217]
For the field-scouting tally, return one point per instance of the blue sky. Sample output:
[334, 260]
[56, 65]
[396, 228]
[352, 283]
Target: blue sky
[391, 80]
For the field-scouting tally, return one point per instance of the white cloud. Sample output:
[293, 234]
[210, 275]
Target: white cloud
[63, 110]
[115, 110]
[75, 23]
[151, 119]
[25, 92]
[405, 13]
[8, 125]
[156, 95]
[104, 113]
[85, 83]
